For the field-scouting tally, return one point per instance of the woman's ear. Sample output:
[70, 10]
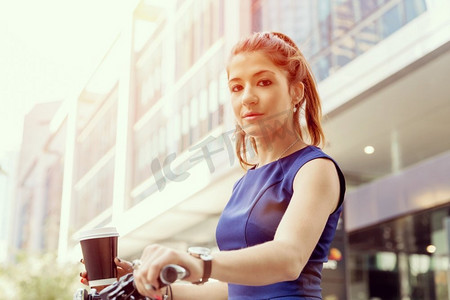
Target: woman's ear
[299, 93]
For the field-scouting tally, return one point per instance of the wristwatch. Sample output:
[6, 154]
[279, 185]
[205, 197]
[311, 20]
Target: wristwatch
[205, 255]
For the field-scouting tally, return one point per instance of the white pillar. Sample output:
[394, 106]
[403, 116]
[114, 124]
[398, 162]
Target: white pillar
[63, 241]
[396, 156]
[122, 156]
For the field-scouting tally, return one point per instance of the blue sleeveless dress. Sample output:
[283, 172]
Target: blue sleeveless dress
[252, 215]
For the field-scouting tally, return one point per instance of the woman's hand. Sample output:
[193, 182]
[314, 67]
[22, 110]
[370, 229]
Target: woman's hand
[123, 267]
[153, 259]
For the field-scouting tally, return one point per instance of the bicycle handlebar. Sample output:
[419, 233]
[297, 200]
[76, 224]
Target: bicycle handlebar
[125, 288]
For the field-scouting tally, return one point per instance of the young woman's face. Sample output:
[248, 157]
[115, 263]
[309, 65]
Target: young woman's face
[260, 95]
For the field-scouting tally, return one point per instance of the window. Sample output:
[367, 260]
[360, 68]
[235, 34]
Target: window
[391, 21]
[344, 19]
[223, 95]
[194, 130]
[185, 120]
[176, 131]
[154, 146]
[194, 112]
[203, 104]
[162, 140]
[368, 7]
[206, 26]
[321, 68]
[203, 112]
[223, 88]
[413, 8]
[221, 18]
[323, 9]
[256, 15]
[366, 38]
[385, 254]
[185, 128]
[213, 105]
[213, 97]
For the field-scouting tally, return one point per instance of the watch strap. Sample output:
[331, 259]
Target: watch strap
[207, 267]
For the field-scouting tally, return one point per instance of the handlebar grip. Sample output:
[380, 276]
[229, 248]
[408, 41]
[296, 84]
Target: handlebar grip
[171, 273]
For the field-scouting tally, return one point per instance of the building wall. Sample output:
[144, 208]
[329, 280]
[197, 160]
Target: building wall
[94, 162]
[37, 187]
[8, 172]
[175, 96]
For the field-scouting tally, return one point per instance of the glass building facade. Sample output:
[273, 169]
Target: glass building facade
[334, 33]
[175, 108]
[403, 256]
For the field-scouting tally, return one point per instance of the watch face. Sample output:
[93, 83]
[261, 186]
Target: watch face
[199, 250]
[206, 256]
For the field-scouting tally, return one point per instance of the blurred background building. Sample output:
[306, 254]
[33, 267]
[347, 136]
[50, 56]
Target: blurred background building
[147, 144]
[8, 167]
[37, 206]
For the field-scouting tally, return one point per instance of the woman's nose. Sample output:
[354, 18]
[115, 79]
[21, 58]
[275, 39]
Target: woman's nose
[249, 97]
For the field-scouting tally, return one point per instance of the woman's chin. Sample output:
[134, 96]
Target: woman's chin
[256, 134]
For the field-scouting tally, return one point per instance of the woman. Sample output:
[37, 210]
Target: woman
[275, 232]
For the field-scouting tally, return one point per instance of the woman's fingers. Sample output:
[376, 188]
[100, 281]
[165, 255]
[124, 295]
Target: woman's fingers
[83, 275]
[144, 287]
[84, 279]
[145, 281]
[126, 265]
[123, 267]
[146, 275]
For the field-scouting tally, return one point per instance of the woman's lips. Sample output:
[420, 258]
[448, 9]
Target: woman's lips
[252, 116]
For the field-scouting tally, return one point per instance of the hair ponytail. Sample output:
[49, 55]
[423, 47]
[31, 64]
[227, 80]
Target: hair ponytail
[241, 147]
[313, 111]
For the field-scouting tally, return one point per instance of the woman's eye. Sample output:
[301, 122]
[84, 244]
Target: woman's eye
[236, 88]
[264, 82]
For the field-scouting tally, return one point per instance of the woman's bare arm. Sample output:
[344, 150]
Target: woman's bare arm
[210, 290]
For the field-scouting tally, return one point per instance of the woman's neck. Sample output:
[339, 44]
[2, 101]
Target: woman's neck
[273, 148]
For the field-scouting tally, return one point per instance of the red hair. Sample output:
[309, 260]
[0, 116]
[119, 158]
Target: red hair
[285, 54]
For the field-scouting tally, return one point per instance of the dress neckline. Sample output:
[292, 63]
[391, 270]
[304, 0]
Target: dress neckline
[254, 168]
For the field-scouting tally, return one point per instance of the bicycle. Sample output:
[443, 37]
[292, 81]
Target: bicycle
[124, 288]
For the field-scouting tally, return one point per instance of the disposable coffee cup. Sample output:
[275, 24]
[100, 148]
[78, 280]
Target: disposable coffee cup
[99, 247]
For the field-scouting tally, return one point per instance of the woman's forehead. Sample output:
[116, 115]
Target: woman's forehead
[250, 63]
